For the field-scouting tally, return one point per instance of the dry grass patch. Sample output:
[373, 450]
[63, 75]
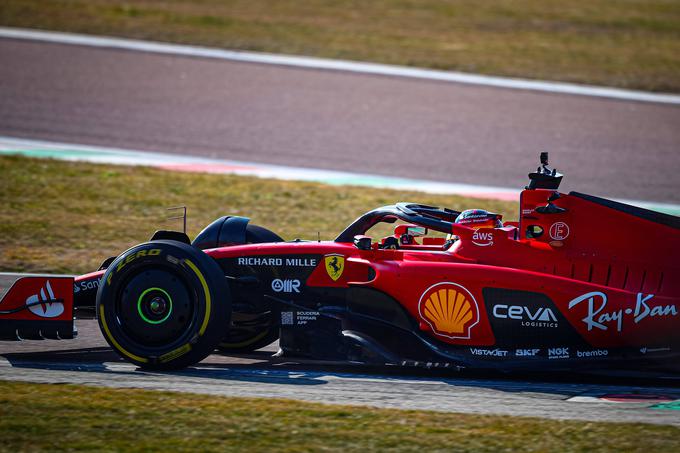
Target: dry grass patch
[627, 43]
[68, 417]
[67, 217]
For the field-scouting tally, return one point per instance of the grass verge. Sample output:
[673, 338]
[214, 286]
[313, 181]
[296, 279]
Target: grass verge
[627, 43]
[69, 417]
[67, 217]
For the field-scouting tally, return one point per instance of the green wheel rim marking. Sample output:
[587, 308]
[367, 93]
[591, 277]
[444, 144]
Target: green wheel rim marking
[139, 305]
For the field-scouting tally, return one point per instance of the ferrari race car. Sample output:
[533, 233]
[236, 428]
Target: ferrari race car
[577, 282]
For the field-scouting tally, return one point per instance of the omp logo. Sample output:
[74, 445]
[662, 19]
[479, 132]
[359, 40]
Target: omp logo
[39, 304]
[450, 310]
[482, 238]
[286, 286]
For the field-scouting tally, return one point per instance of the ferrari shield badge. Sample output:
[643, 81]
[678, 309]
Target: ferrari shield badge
[335, 265]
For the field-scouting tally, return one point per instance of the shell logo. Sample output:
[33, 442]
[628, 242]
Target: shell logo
[450, 310]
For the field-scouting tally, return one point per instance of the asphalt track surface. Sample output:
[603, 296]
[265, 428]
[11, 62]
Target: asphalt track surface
[324, 119]
[88, 360]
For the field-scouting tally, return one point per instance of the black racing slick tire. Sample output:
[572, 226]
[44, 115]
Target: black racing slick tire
[163, 305]
[252, 331]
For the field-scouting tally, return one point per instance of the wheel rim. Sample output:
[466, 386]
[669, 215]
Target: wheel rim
[156, 307]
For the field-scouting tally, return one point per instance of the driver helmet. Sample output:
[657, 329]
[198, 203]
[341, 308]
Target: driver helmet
[479, 218]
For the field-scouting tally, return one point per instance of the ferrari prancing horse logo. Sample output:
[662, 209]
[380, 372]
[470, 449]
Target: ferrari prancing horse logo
[335, 264]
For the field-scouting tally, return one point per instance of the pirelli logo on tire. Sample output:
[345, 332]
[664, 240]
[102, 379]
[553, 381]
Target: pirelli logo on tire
[174, 354]
[130, 258]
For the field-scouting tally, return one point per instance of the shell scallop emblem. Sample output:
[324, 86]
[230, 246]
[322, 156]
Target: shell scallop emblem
[449, 309]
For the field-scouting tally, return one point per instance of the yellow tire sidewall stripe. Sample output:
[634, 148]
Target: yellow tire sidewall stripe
[204, 326]
[202, 330]
[113, 340]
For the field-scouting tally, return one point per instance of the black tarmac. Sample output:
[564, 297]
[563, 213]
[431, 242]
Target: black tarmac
[332, 120]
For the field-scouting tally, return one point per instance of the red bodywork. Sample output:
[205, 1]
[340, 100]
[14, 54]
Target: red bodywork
[612, 275]
[37, 307]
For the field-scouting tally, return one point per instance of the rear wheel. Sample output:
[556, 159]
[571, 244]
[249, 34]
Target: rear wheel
[252, 328]
[163, 305]
[250, 332]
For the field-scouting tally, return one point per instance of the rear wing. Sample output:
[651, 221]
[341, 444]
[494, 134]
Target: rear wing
[36, 307]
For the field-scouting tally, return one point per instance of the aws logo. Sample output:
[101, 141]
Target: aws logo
[450, 310]
[482, 238]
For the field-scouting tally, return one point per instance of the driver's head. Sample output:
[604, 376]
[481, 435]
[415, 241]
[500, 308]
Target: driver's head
[479, 218]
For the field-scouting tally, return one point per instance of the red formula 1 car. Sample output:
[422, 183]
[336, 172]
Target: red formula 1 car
[578, 282]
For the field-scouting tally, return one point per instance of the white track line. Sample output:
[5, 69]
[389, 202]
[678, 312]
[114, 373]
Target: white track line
[336, 65]
[177, 162]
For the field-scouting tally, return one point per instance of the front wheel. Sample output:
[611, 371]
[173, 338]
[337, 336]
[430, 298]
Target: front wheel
[163, 305]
